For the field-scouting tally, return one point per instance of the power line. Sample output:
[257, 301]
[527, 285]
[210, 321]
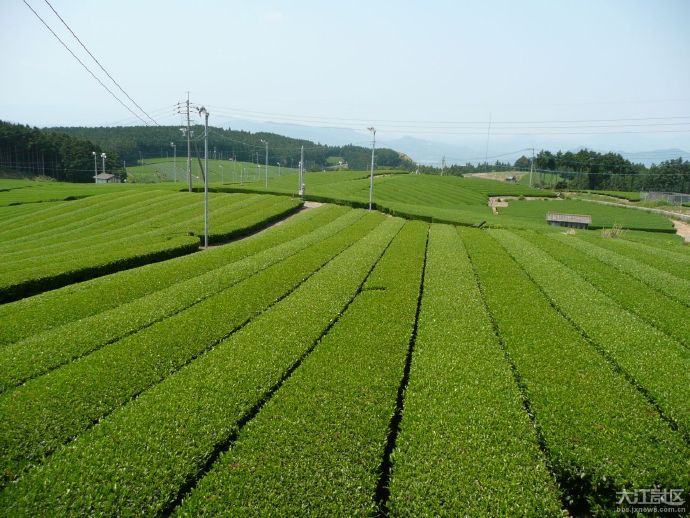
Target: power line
[483, 123]
[98, 62]
[518, 131]
[83, 65]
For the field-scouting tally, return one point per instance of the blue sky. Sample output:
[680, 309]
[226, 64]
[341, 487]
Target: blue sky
[351, 63]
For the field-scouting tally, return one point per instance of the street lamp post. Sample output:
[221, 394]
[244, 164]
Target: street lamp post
[95, 167]
[371, 177]
[203, 111]
[266, 170]
[103, 157]
[222, 176]
[172, 144]
[278, 163]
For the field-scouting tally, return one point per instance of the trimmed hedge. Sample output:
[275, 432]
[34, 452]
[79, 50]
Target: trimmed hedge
[317, 445]
[600, 433]
[672, 286]
[663, 312]
[466, 446]
[137, 460]
[43, 352]
[24, 318]
[41, 415]
[656, 362]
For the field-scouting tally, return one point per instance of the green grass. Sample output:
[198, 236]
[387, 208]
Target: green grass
[624, 195]
[533, 214]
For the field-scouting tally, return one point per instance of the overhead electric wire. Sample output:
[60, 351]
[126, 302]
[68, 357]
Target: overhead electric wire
[521, 131]
[98, 63]
[359, 121]
[83, 65]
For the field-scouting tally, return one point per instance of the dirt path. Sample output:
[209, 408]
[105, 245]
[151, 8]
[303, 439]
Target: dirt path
[501, 177]
[496, 202]
[682, 229]
[307, 205]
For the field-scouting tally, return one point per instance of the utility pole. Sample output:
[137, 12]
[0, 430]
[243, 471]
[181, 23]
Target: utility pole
[189, 149]
[443, 164]
[278, 164]
[203, 111]
[486, 151]
[183, 109]
[371, 177]
[174, 146]
[531, 168]
[95, 167]
[301, 174]
[266, 171]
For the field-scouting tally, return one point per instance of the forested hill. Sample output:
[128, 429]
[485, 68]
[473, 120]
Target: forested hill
[30, 151]
[132, 143]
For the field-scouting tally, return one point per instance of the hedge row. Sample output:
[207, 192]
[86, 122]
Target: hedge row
[28, 317]
[137, 460]
[79, 224]
[40, 353]
[466, 446]
[14, 289]
[44, 272]
[316, 447]
[673, 262]
[152, 223]
[47, 217]
[44, 413]
[670, 316]
[600, 433]
[657, 362]
[674, 287]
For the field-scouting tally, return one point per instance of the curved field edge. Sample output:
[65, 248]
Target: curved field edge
[169, 247]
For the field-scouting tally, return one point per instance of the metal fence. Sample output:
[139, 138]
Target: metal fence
[672, 198]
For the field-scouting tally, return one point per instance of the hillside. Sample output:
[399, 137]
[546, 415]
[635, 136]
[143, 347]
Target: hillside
[344, 361]
[133, 143]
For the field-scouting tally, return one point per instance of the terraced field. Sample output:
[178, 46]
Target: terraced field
[47, 245]
[343, 363]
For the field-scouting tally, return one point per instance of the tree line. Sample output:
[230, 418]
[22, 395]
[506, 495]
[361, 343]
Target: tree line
[134, 143]
[66, 154]
[586, 170]
[28, 151]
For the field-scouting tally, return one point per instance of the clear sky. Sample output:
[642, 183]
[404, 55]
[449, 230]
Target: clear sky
[356, 63]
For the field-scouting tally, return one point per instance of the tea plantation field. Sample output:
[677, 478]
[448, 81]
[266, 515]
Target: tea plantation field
[48, 245]
[341, 363]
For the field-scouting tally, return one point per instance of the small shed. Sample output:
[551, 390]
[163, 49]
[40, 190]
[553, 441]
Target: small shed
[568, 220]
[106, 178]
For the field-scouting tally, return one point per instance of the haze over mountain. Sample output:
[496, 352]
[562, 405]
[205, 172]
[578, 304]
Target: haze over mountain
[461, 149]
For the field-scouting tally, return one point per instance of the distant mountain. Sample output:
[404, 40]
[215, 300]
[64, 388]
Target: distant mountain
[657, 156]
[419, 150]
[432, 153]
[326, 136]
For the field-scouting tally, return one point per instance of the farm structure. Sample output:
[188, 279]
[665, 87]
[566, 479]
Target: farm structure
[106, 178]
[568, 220]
